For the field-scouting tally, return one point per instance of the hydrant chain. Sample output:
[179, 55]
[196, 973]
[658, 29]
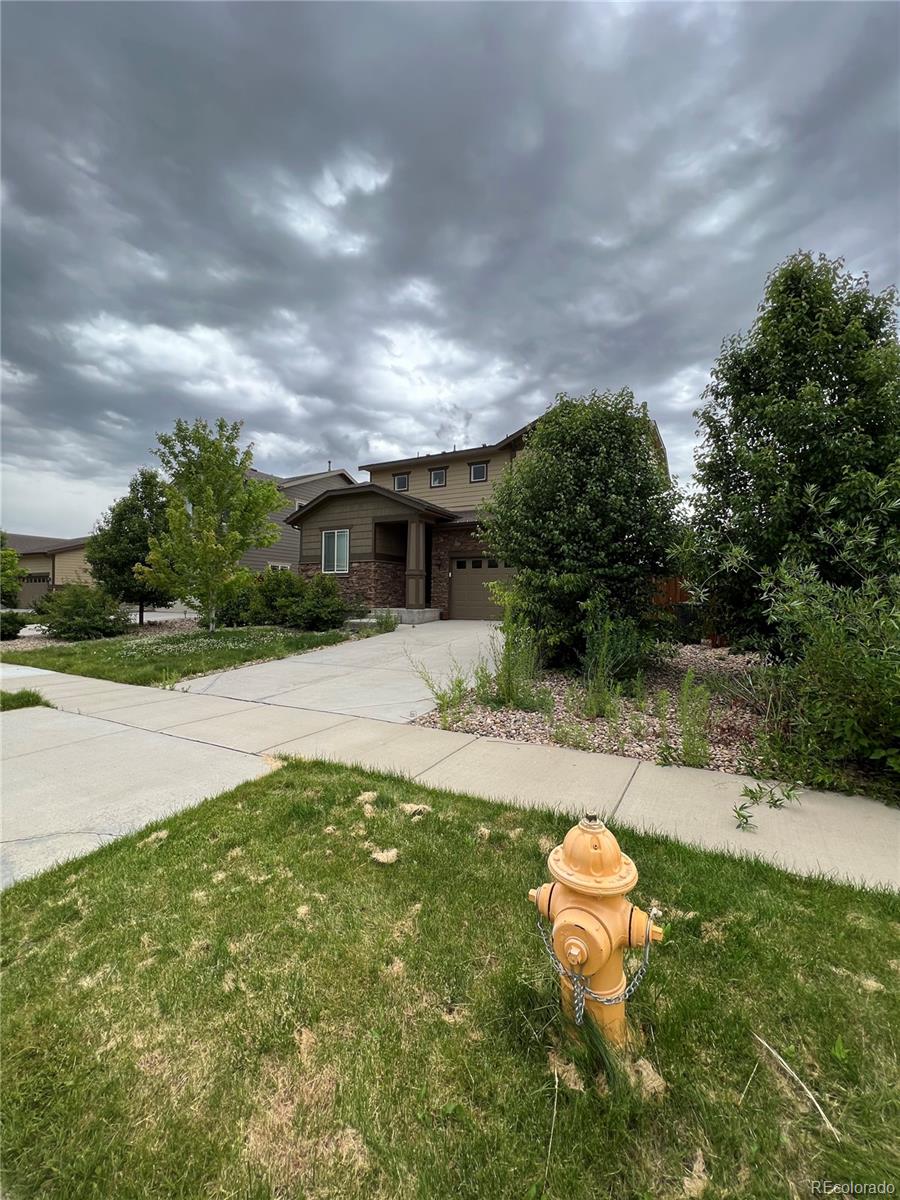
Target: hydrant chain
[580, 988]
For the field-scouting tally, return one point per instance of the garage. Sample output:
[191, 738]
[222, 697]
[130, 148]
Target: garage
[469, 598]
[34, 585]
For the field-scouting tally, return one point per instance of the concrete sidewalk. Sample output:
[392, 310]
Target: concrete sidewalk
[847, 837]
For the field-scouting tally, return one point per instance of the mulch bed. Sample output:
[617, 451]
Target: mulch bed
[636, 733]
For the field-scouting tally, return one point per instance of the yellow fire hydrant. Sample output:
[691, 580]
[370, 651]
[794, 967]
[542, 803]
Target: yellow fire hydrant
[592, 923]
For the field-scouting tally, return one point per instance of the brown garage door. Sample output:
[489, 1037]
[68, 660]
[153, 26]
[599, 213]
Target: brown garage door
[32, 588]
[469, 597]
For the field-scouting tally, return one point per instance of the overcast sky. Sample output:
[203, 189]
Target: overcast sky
[370, 230]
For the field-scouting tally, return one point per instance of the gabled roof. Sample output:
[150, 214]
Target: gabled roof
[316, 475]
[310, 478]
[31, 543]
[470, 452]
[373, 489]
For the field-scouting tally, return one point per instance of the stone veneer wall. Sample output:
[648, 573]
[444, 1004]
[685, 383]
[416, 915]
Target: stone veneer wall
[378, 584]
[447, 544]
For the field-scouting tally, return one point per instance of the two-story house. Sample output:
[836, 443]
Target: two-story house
[407, 538]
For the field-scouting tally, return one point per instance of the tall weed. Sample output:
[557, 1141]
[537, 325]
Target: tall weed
[693, 719]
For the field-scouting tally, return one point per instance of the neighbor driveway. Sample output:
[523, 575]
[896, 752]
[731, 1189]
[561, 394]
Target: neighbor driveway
[380, 677]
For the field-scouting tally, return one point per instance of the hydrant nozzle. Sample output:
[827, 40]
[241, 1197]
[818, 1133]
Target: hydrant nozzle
[593, 923]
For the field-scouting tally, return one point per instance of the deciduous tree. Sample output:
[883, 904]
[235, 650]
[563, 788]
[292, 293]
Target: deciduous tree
[11, 574]
[215, 513]
[800, 457]
[121, 540]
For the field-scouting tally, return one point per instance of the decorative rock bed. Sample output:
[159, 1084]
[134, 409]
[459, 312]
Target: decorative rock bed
[636, 732]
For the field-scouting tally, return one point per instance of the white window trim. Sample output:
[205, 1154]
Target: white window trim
[472, 467]
[279, 566]
[401, 475]
[336, 570]
[431, 474]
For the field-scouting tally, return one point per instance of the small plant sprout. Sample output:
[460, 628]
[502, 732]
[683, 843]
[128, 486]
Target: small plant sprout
[789, 792]
[755, 795]
[693, 718]
[570, 734]
[776, 795]
[744, 817]
[665, 755]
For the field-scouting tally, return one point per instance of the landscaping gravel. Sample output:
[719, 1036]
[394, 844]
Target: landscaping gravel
[635, 733]
[39, 641]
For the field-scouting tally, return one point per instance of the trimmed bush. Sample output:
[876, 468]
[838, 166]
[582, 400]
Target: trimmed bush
[78, 613]
[324, 605]
[238, 602]
[283, 598]
[11, 623]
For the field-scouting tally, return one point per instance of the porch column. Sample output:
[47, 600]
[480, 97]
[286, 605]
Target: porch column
[415, 564]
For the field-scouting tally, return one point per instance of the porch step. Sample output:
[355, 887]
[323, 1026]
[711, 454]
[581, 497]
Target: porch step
[410, 616]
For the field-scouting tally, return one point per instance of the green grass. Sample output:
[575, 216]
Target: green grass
[173, 656]
[24, 698]
[243, 1004]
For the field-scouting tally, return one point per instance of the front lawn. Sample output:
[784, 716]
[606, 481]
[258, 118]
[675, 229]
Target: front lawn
[24, 698]
[242, 1002]
[168, 658]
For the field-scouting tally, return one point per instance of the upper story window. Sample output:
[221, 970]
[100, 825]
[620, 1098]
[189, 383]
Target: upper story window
[335, 551]
[478, 472]
[401, 482]
[438, 476]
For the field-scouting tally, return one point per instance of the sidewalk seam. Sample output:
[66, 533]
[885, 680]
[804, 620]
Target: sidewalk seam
[437, 762]
[625, 788]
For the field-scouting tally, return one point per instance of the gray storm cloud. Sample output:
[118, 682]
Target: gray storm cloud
[374, 229]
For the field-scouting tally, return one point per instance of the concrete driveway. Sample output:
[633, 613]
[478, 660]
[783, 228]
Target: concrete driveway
[375, 677]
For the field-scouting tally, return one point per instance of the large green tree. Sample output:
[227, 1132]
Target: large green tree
[215, 513]
[800, 453]
[11, 574]
[584, 514]
[121, 539]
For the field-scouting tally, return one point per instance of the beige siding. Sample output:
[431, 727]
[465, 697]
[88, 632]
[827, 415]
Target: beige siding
[35, 563]
[71, 567]
[357, 513]
[459, 494]
[287, 548]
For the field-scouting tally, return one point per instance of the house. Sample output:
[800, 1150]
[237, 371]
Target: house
[48, 562]
[298, 490]
[51, 562]
[407, 538]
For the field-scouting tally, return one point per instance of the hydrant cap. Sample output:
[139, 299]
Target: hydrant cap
[589, 860]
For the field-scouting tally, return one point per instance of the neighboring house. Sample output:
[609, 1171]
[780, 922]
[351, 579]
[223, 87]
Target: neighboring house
[298, 490]
[48, 562]
[406, 539]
